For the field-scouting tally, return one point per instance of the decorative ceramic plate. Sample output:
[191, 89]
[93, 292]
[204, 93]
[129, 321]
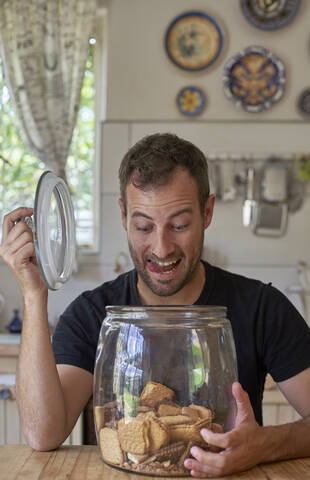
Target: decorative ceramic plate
[269, 14]
[193, 41]
[254, 79]
[304, 102]
[191, 100]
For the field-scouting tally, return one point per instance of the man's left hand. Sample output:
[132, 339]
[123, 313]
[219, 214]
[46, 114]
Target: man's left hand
[241, 447]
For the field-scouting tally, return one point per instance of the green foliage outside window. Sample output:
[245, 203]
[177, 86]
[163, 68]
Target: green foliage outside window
[20, 170]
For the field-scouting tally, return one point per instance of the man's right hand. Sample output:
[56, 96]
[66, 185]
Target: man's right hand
[18, 251]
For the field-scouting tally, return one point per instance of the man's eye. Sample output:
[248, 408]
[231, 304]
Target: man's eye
[143, 229]
[178, 228]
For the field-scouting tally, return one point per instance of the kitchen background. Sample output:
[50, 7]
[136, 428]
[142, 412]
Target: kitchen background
[137, 97]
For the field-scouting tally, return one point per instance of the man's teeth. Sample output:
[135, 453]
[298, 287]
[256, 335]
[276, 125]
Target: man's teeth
[165, 264]
[165, 267]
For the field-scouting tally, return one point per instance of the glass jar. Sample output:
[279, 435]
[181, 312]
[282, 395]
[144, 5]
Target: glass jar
[162, 374]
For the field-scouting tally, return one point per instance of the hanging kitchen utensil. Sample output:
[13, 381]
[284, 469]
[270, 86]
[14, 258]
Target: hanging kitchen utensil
[271, 212]
[53, 229]
[270, 220]
[249, 201]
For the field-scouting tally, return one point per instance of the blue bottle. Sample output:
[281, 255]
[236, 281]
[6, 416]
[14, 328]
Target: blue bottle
[15, 325]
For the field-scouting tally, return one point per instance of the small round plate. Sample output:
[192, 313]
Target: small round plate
[191, 101]
[304, 102]
[193, 41]
[54, 230]
[254, 79]
[269, 14]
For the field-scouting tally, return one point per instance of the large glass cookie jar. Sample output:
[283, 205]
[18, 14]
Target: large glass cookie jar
[162, 374]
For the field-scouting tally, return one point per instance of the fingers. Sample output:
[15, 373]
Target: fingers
[204, 464]
[244, 407]
[20, 235]
[221, 440]
[24, 255]
[17, 248]
[10, 219]
[240, 395]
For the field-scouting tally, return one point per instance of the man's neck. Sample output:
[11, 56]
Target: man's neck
[188, 295]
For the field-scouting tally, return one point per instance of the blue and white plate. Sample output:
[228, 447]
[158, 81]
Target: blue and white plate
[304, 102]
[191, 101]
[254, 79]
[193, 41]
[269, 14]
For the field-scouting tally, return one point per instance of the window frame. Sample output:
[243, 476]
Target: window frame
[99, 34]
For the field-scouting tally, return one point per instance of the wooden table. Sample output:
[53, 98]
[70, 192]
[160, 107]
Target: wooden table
[20, 462]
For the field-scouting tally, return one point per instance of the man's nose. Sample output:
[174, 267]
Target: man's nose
[163, 245]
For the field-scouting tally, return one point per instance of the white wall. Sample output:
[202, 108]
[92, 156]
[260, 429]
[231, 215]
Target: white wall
[141, 85]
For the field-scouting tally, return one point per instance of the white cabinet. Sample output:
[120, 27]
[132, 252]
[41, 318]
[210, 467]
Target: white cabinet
[10, 429]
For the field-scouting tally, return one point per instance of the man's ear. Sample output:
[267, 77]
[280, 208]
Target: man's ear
[124, 216]
[208, 213]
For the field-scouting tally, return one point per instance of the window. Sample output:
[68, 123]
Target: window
[20, 170]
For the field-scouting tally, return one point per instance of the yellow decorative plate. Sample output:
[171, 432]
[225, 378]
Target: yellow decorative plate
[191, 101]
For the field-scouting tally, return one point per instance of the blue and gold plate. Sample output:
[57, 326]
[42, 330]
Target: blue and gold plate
[254, 79]
[269, 14]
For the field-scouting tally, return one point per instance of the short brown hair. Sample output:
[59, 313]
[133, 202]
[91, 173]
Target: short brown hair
[152, 160]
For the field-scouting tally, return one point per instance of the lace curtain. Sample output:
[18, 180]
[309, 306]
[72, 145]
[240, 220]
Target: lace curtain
[44, 47]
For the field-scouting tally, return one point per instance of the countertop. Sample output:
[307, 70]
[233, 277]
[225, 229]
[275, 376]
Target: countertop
[84, 463]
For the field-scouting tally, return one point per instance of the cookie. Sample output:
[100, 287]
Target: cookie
[104, 415]
[171, 453]
[203, 412]
[191, 412]
[144, 408]
[188, 432]
[133, 435]
[139, 458]
[110, 446]
[166, 409]
[158, 434]
[99, 417]
[176, 420]
[154, 392]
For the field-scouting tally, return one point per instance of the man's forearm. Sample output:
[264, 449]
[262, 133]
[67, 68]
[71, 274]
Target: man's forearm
[39, 394]
[291, 440]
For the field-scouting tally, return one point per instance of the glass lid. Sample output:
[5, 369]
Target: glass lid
[54, 230]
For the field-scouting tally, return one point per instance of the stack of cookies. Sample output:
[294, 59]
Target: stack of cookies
[157, 435]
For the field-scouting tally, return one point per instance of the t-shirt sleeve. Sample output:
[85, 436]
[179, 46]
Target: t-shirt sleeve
[76, 335]
[286, 337]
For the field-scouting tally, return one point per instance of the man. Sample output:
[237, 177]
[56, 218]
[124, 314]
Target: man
[165, 207]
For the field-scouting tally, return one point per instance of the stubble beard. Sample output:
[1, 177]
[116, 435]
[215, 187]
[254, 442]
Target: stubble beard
[162, 287]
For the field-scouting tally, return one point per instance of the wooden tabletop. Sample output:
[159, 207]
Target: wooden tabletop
[84, 463]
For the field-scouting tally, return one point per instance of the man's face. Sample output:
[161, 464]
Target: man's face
[165, 229]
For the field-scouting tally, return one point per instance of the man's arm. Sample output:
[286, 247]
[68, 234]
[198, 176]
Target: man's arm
[49, 399]
[249, 444]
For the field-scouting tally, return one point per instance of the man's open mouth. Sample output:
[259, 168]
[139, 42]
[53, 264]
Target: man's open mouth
[163, 267]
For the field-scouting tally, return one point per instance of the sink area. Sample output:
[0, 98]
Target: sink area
[9, 339]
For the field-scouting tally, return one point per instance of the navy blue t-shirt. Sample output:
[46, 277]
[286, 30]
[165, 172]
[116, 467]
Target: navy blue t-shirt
[270, 335]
